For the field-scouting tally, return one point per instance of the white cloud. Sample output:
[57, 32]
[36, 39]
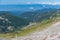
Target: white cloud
[52, 3]
[29, 3]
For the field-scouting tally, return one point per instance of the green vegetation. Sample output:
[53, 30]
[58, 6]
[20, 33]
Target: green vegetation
[39, 26]
[10, 23]
[42, 21]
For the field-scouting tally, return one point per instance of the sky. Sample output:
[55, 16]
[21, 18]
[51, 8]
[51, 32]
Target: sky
[29, 1]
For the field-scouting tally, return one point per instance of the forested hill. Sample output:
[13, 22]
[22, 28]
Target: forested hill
[11, 23]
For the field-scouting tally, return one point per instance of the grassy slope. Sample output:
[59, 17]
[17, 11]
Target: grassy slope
[38, 26]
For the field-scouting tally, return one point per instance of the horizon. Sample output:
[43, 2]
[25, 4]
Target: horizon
[10, 2]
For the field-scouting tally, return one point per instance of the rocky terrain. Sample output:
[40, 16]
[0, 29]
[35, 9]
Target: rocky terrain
[50, 33]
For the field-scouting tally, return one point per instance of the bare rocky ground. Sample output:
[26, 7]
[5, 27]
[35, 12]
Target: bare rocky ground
[50, 33]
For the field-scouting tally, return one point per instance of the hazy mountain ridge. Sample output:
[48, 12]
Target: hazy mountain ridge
[26, 7]
[40, 15]
[19, 9]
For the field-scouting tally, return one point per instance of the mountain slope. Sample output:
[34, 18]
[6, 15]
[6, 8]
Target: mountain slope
[11, 23]
[46, 34]
[52, 16]
[40, 15]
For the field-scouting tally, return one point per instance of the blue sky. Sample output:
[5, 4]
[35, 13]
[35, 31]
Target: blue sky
[29, 1]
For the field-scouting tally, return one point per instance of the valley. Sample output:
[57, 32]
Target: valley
[30, 22]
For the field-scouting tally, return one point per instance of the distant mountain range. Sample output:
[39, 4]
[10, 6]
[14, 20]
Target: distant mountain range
[26, 7]
[18, 9]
